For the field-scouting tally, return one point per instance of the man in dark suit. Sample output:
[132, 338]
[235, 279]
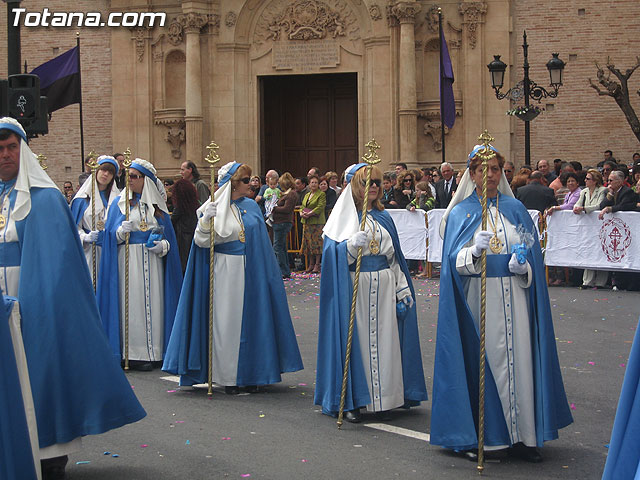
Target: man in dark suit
[620, 197]
[446, 187]
[534, 195]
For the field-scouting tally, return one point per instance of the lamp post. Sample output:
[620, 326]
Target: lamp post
[526, 88]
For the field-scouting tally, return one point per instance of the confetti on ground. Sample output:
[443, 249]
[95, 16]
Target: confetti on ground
[188, 442]
[115, 455]
[303, 460]
[84, 462]
[245, 475]
[573, 406]
[304, 384]
[591, 363]
[226, 438]
[179, 421]
[261, 415]
[107, 453]
[358, 446]
[144, 445]
[171, 391]
[622, 364]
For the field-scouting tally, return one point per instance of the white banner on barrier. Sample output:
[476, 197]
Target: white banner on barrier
[584, 241]
[412, 232]
[435, 242]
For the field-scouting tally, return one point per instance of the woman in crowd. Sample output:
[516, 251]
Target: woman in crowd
[589, 201]
[168, 189]
[570, 182]
[404, 190]
[525, 402]
[333, 182]
[255, 183]
[385, 370]
[183, 217]
[253, 338]
[520, 179]
[283, 221]
[154, 270]
[436, 177]
[313, 219]
[106, 192]
[330, 193]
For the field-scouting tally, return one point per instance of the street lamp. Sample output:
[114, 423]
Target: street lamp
[526, 88]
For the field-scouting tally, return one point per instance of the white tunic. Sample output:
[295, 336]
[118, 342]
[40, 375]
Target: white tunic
[507, 331]
[146, 292]
[228, 294]
[85, 224]
[377, 325]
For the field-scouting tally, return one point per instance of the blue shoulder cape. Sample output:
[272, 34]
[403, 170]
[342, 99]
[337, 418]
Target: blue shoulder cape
[454, 407]
[108, 293]
[268, 345]
[16, 457]
[335, 306]
[78, 389]
[623, 460]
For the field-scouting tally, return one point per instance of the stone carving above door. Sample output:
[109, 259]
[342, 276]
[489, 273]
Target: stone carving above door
[306, 20]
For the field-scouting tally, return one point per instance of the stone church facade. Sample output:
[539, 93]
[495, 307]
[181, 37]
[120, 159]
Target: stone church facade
[290, 84]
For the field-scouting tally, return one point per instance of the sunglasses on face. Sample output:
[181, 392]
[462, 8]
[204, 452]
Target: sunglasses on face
[507, 171]
[374, 181]
[588, 178]
[407, 180]
[245, 180]
[135, 176]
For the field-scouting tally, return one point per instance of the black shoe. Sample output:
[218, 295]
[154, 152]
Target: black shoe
[383, 416]
[140, 366]
[251, 389]
[232, 390]
[353, 416]
[529, 454]
[53, 468]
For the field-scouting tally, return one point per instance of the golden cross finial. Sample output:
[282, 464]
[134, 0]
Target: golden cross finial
[127, 158]
[486, 153]
[371, 157]
[212, 157]
[41, 158]
[92, 163]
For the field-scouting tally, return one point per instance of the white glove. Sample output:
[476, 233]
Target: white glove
[408, 301]
[481, 242]
[358, 239]
[157, 247]
[90, 237]
[210, 211]
[515, 267]
[125, 227]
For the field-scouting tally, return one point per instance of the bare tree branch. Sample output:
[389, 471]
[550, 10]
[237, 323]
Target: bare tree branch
[630, 71]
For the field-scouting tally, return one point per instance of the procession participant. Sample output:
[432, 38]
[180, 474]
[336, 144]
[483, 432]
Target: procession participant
[525, 403]
[19, 456]
[623, 459]
[155, 274]
[253, 337]
[385, 369]
[82, 211]
[77, 388]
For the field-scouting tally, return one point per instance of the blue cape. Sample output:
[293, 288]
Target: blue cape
[335, 306]
[268, 345]
[454, 407]
[109, 280]
[623, 460]
[16, 457]
[78, 389]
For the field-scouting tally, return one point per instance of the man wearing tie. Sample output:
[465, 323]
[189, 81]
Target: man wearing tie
[446, 187]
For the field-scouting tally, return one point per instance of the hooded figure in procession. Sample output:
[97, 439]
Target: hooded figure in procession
[78, 389]
[525, 402]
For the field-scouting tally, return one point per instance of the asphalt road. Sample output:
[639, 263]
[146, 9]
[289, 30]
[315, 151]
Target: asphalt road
[280, 434]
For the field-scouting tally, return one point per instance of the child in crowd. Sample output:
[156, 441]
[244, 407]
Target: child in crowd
[271, 197]
[423, 198]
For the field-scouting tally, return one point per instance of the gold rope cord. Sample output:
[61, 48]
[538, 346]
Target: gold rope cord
[93, 165]
[126, 164]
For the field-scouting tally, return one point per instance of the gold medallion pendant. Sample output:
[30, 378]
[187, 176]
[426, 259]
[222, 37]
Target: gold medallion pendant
[143, 226]
[241, 236]
[100, 224]
[495, 244]
[3, 221]
[374, 247]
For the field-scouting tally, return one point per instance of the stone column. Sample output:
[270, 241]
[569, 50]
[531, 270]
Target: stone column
[405, 12]
[192, 23]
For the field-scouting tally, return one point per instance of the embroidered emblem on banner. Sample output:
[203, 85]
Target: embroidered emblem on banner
[615, 238]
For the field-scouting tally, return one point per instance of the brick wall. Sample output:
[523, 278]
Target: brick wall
[582, 124]
[39, 44]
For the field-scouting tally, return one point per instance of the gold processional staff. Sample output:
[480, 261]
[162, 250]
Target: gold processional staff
[212, 158]
[93, 165]
[126, 164]
[486, 154]
[370, 158]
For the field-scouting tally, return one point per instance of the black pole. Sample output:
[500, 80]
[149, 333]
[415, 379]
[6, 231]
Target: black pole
[527, 88]
[80, 86]
[13, 40]
[441, 89]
